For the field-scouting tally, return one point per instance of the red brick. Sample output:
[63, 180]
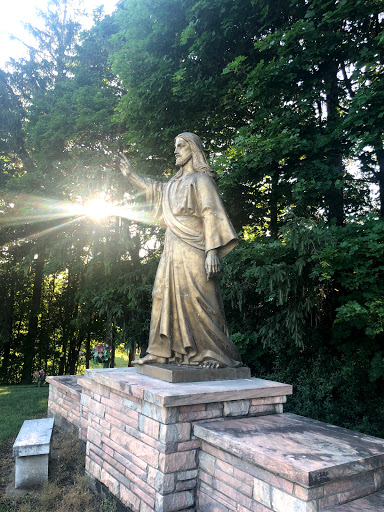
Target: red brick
[307, 494]
[241, 475]
[129, 499]
[100, 429]
[115, 473]
[269, 400]
[127, 416]
[143, 496]
[108, 450]
[94, 387]
[240, 486]
[225, 467]
[93, 468]
[105, 424]
[114, 421]
[204, 477]
[126, 457]
[145, 508]
[188, 445]
[147, 440]
[186, 485]
[139, 482]
[140, 449]
[358, 484]
[93, 436]
[199, 415]
[94, 457]
[217, 405]
[175, 432]
[110, 482]
[175, 501]
[208, 504]
[255, 410]
[192, 408]
[233, 494]
[256, 471]
[97, 409]
[181, 461]
[111, 460]
[137, 392]
[218, 496]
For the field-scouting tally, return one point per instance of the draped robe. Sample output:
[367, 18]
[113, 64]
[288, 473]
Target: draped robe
[188, 320]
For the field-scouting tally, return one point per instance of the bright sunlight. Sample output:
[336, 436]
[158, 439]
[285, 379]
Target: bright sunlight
[98, 209]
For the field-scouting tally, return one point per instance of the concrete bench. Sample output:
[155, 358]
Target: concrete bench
[31, 451]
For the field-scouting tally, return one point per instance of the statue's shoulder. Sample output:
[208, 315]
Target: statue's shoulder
[204, 179]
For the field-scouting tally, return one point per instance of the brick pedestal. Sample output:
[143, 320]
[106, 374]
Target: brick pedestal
[287, 463]
[140, 441]
[64, 404]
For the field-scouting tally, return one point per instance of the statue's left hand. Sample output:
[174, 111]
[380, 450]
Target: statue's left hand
[212, 263]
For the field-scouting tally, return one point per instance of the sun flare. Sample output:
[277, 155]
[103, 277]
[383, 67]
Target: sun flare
[98, 209]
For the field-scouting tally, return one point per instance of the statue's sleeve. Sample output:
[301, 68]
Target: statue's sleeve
[218, 230]
[154, 196]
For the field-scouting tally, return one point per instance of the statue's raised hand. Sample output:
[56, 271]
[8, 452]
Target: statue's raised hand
[125, 165]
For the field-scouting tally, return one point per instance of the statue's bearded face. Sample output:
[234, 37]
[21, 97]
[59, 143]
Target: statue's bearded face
[183, 152]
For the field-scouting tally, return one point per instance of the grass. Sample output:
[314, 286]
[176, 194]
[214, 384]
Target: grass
[19, 403]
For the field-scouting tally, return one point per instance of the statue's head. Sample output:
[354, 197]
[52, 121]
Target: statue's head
[194, 150]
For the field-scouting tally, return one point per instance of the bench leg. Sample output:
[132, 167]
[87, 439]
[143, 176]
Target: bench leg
[31, 471]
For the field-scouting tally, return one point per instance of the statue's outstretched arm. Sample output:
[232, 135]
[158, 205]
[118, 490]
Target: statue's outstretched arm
[127, 171]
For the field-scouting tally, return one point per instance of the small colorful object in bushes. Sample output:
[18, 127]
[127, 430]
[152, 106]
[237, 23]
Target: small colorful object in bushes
[40, 377]
[101, 353]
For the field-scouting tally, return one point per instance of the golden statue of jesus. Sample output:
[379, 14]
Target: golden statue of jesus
[188, 324]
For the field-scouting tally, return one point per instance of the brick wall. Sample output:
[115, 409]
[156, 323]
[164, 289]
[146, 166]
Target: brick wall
[146, 454]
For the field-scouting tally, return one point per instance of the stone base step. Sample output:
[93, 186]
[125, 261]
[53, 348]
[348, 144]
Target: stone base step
[286, 463]
[372, 503]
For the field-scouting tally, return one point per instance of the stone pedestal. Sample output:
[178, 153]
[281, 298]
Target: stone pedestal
[287, 463]
[140, 441]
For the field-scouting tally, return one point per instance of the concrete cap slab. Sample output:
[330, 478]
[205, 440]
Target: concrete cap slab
[170, 394]
[302, 450]
[34, 438]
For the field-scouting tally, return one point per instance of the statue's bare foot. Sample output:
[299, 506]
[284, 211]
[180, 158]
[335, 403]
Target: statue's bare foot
[211, 364]
[175, 360]
[150, 359]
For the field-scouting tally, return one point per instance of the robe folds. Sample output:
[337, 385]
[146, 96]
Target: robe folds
[188, 320]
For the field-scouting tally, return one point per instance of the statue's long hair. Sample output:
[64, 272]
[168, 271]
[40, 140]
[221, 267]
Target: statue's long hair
[199, 160]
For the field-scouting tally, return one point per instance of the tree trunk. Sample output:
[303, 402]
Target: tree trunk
[273, 204]
[29, 343]
[131, 357]
[334, 197]
[9, 330]
[380, 161]
[88, 350]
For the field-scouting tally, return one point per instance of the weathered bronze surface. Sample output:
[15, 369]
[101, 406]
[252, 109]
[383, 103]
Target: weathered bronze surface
[188, 323]
[174, 373]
